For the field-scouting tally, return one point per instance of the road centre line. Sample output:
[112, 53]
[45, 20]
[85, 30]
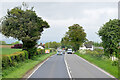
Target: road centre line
[68, 70]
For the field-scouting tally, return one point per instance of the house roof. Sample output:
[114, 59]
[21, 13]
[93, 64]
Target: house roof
[88, 45]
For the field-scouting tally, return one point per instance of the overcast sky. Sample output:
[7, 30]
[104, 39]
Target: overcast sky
[60, 15]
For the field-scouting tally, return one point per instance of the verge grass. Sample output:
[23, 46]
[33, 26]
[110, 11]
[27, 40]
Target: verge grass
[104, 64]
[23, 67]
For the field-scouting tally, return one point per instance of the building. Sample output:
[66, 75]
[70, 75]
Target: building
[86, 47]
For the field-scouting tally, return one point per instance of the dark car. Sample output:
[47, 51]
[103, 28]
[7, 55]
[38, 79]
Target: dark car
[17, 46]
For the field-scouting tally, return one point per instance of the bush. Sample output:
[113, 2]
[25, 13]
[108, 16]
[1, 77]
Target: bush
[32, 52]
[114, 63]
[82, 51]
[11, 60]
[5, 61]
[40, 51]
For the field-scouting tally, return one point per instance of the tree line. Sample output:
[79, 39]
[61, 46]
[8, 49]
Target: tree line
[109, 34]
[24, 24]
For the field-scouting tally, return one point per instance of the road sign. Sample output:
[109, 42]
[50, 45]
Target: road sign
[47, 51]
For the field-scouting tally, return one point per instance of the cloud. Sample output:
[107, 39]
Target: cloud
[93, 19]
[62, 15]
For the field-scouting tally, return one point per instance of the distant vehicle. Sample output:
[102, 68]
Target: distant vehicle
[69, 51]
[59, 52]
[17, 46]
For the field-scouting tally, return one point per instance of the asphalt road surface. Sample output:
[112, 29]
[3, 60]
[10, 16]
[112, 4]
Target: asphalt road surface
[81, 69]
[54, 67]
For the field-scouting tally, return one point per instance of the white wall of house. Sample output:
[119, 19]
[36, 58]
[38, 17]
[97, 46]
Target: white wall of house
[40, 47]
[84, 48]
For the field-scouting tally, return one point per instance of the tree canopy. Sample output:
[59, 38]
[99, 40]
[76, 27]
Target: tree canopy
[23, 24]
[52, 45]
[97, 44]
[110, 35]
[75, 37]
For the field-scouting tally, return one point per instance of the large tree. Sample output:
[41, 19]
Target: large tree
[110, 35]
[24, 24]
[75, 37]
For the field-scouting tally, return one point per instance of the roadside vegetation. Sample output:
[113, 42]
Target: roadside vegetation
[98, 58]
[97, 44]
[23, 67]
[22, 23]
[110, 36]
[15, 62]
[107, 58]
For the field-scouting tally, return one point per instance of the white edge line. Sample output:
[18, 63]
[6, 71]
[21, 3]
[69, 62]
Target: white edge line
[38, 67]
[97, 67]
[67, 67]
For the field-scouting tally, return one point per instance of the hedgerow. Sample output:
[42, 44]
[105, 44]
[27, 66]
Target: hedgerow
[14, 59]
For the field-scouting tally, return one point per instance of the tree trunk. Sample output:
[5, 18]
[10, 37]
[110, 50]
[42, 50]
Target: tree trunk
[30, 47]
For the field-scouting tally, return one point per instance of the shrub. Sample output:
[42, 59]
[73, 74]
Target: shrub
[40, 51]
[5, 61]
[114, 63]
[32, 52]
[82, 51]
[12, 59]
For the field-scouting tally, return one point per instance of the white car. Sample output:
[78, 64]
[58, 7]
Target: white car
[69, 51]
[59, 52]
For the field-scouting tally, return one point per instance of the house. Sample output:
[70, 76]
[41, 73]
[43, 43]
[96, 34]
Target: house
[41, 46]
[86, 47]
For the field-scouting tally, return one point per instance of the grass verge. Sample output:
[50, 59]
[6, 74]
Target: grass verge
[23, 67]
[104, 64]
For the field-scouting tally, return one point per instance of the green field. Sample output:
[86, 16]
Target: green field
[7, 51]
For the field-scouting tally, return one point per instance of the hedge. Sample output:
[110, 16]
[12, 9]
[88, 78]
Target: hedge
[40, 51]
[13, 59]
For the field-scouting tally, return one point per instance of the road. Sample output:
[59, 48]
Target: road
[79, 68]
[68, 66]
[54, 67]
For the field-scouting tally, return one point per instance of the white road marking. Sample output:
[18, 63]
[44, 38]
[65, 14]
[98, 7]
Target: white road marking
[96, 67]
[68, 70]
[38, 67]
